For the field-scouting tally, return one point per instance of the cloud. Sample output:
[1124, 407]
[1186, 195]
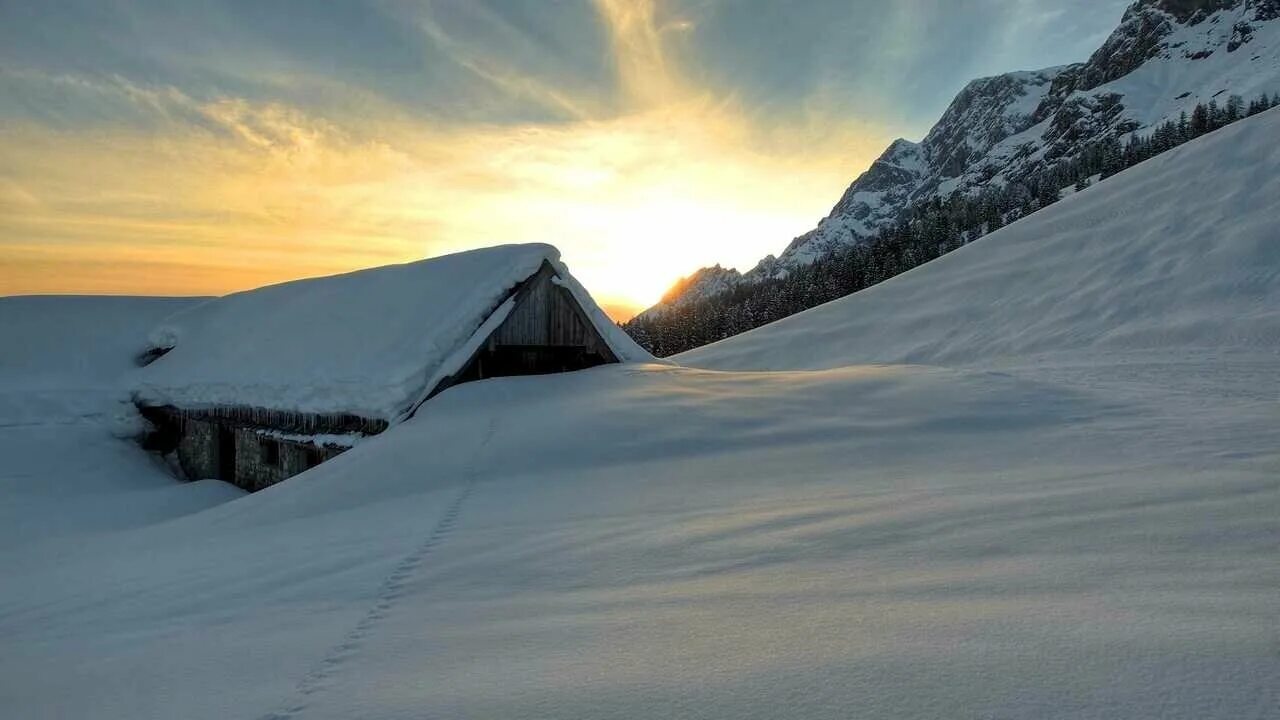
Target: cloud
[505, 77]
[226, 191]
[216, 147]
[645, 70]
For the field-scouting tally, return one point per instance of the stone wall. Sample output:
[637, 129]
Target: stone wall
[254, 470]
[198, 450]
[261, 458]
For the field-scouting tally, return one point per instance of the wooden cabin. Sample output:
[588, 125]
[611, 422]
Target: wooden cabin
[547, 331]
[543, 322]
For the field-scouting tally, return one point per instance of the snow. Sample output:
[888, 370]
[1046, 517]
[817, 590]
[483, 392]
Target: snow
[1195, 63]
[1181, 251]
[371, 343]
[320, 439]
[56, 339]
[981, 118]
[65, 364]
[1000, 497]
[63, 357]
[1173, 83]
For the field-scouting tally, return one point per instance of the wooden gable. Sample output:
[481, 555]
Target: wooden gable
[547, 331]
[547, 314]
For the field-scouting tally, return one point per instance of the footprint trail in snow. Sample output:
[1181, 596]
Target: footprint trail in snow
[320, 676]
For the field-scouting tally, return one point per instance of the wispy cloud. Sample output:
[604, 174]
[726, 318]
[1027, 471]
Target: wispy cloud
[393, 131]
[237, 191]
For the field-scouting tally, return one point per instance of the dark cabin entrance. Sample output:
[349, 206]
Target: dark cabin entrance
[226, 454]
[507, 360]
[546, 332]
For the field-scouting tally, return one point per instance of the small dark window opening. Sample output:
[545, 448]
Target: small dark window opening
[315, 456]
[151, 355]
[269, 450]
[226, 448]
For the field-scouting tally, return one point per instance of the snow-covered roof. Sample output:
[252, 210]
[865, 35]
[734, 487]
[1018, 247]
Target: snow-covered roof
[371, 343]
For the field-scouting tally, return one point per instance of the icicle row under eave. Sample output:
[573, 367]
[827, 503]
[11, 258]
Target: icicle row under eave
[285, 420]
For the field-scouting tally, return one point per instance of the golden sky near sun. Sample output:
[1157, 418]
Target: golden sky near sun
[635, 192]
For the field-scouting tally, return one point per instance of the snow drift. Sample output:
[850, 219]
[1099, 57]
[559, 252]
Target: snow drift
[1076, 518]
[61, 340]
[65, 357]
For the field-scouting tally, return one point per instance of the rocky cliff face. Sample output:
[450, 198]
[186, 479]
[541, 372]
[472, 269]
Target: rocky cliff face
[987, 112]
[1164, 58]
[705, 282]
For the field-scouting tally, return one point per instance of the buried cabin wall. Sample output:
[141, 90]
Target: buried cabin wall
[196, 440]
[253, 470]
[198, 449]
[258, 468]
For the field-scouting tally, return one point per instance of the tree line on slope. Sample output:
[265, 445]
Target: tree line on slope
[924, 231]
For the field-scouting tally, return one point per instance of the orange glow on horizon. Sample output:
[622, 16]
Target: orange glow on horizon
[672, 178]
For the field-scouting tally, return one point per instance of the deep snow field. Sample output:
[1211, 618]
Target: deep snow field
[1037, 478]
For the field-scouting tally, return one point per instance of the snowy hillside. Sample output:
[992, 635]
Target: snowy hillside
[85, 340]
[1182, 250]
[1069, 511]
[65, 356]
[1165, 57]
[65, 366]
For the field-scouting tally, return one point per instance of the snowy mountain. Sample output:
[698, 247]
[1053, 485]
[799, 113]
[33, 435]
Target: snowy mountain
[703, 283]
[1180, 250]
[1165, 57]
[1065, 506]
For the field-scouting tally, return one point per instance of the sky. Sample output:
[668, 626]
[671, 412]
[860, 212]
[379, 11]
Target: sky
[187, 147]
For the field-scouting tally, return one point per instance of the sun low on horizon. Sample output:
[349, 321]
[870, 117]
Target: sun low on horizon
[175, 149]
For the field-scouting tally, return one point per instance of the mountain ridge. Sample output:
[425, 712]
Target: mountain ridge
[1163, 58]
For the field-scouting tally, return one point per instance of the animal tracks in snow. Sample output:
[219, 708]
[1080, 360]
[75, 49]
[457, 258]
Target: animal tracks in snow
[319, 677]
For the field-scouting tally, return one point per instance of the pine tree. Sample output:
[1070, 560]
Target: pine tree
[1235, 108]
[1199, 120]
[1215, 115]
[1048, 192]
[1112, 157]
